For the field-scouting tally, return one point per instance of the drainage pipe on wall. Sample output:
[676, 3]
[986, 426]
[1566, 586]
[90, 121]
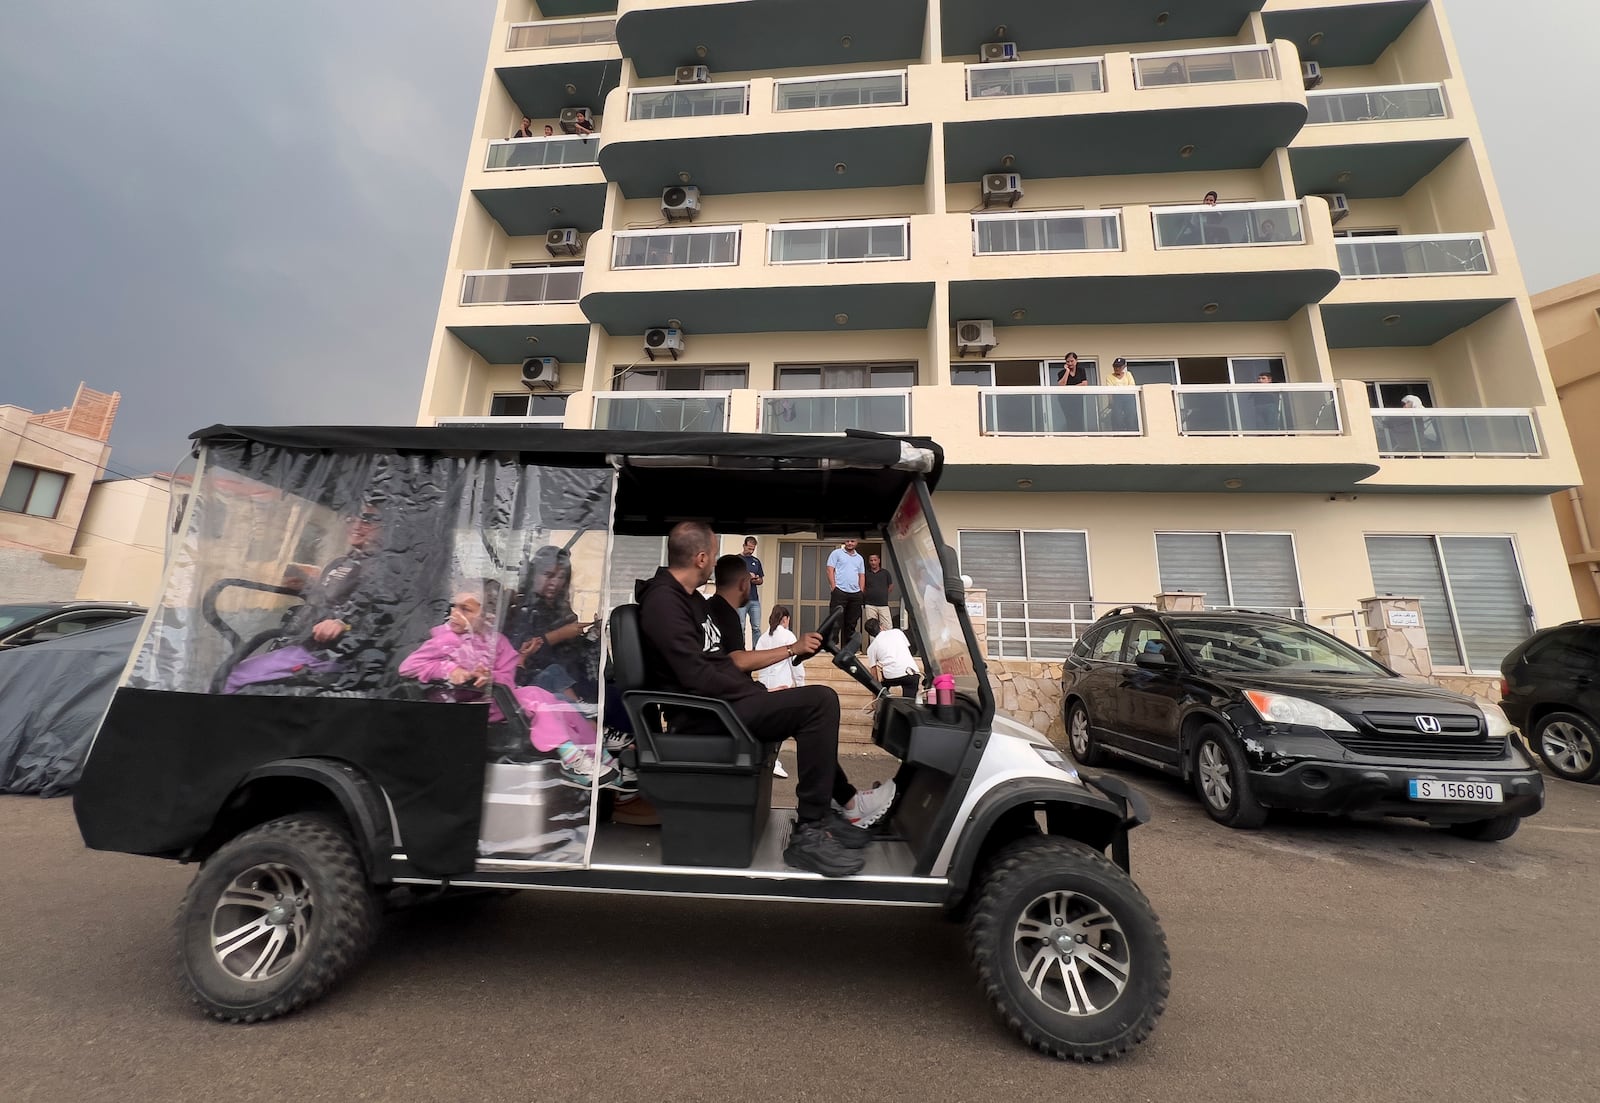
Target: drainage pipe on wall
[1576, 499]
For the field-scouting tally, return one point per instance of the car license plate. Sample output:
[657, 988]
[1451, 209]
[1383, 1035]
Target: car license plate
[1468, 792]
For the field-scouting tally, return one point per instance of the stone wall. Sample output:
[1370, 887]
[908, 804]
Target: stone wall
[1473, 685]
[1029, 693]
[28, 575]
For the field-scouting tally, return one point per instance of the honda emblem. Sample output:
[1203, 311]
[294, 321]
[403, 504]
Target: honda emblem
[1429, 724]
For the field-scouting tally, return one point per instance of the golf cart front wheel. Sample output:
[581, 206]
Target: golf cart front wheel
[1068, 950]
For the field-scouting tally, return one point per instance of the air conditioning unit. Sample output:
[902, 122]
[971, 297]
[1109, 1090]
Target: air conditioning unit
[1338, 205]
[541, 371]
[998, 51]
[680, 203]
[1311, 73]
[569, 118]
[975, 335]
[563, 242]
[1002, 187]
[692, 74]
[669, 341]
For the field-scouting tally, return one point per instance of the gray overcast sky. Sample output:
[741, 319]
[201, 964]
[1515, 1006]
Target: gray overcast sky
[242, 213]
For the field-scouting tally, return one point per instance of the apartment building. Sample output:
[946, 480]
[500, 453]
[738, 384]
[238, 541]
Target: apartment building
[901, 216]
[1569, 326]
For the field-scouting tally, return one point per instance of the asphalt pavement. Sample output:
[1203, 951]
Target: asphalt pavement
[1312, 960]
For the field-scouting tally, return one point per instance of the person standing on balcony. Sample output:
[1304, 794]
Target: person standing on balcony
[1213, 224]
[526, 129]
[1269, 407]
[845, 568]
[582, 126]
[1120, 411]
[549, 131]
[751, 610]
[1070, 410]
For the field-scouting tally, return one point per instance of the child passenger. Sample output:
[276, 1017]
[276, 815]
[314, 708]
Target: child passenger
[464, 656]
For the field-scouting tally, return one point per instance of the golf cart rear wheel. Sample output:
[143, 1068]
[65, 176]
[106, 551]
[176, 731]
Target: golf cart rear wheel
[1068, 950]
[274, 919]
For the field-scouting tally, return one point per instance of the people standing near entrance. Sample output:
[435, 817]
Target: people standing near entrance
[875, 587]
[845, 568]
[751, 612]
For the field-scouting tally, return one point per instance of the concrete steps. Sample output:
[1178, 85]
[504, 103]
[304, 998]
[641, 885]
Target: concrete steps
[855, 717]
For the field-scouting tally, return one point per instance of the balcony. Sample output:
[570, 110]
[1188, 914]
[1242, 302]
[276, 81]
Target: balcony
[522, 286]
[553, 421]
[734, 36]
[1228, 225]
[841, 242]
[657, 412]
[561, 32]
[1044, 78]
[1059, 412]
[690, 101]
[685, 247]
[1121, 114]
[1021, 232]
[1414, 255]
[1343, 35]
[887, 89]
[541, 153]
[1064, 24]
[1365, 105]
[1456, 433]
[1262, 409]
[836, 411]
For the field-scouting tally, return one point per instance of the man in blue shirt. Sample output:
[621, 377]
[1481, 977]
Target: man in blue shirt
[751, 610]
[845, 571]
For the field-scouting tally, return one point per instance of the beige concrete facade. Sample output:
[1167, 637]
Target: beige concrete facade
[122, 540]
[1441, 309]
[1569, 325]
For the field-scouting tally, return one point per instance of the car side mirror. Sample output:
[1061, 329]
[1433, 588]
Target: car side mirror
[1153, 660]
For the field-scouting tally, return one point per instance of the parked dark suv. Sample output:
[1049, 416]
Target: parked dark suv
[36, 622]
[1264, 712]
[1552, 693]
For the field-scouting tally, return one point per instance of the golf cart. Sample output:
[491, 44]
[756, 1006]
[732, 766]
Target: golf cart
[273, 725]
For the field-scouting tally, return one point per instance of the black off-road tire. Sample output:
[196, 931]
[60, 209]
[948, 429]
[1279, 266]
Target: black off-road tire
[1241, 809]
[1487, 831]
[1022, 876]
[1568, 744]
[1083, 748]
[337, 921]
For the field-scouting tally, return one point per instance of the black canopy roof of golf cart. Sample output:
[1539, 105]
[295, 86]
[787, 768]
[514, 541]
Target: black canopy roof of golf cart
[752, 482]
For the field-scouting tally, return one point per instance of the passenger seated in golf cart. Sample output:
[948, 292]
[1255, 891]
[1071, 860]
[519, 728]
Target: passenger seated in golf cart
[307, 799]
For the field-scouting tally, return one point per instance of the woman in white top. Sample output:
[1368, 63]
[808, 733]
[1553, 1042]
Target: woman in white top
[779, 675]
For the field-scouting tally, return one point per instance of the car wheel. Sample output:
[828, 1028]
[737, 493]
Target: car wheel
[1487, 831]
[274, 919]
[1222, 782]
[1080, 740]
[1569, 745]
[1068, 949]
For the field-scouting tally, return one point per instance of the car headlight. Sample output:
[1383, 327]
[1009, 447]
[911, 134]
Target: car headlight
[1498, 723]
[1276, 708]
[1055, 758]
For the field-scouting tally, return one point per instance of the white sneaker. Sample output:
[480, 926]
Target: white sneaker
[870, 805]
[777, 768]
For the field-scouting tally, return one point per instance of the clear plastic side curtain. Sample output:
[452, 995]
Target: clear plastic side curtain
[474, 579]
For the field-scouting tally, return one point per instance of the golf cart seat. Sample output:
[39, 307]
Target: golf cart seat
[708, 777]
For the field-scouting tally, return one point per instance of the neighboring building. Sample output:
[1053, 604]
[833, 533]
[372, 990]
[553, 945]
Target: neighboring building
[48, 463]
[861, 215]
[1569, 323]
[122, 540]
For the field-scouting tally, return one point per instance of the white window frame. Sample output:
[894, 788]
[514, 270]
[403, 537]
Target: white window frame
[1022, 216]
[1227, 566]
[839, 78]
[838, 224]
[1426, 384]
[1330, 389]
[1406, 239]
[511, 32]
[537, 139]
[1041, 63]
[737, 229]
[903, 393]
[1265, 51]
[517, 270]
[1203, 208]
[1022, 555]
[1329, 93]
[664, 89]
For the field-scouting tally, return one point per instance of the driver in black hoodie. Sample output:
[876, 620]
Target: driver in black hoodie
[682, 655]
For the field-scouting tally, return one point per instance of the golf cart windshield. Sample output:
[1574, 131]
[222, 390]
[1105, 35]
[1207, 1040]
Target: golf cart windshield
[924, 588]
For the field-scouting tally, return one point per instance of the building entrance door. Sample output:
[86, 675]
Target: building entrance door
[802, 579]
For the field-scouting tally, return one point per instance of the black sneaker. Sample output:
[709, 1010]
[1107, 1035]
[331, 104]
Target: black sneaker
[846, 832]
[812, 847]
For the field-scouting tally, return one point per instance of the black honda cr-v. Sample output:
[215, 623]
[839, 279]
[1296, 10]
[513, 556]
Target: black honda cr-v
[1265, 712]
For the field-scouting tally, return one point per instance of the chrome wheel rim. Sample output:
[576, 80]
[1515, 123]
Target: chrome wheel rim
[1078, 734]
[1072, 953]
[1216, 779]
[1566, 748]
[261, 922]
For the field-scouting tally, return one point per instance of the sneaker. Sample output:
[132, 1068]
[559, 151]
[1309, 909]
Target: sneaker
[616, 739]
[813, 847]
[580, 766]
[627, 782]
[777, 768]
[635, 811]
[853, 837]
[870, 805]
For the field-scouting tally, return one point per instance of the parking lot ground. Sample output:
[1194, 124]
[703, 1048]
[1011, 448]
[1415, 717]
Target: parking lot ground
[1312, 960]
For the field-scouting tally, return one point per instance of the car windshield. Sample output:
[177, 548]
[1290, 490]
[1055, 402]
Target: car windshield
[17, 614]
[944, 644]
[1256, 647]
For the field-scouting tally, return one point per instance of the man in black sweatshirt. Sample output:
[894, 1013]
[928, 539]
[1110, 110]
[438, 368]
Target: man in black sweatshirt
[682, 654]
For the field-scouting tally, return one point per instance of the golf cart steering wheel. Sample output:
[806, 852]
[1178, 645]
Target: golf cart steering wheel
[823, 629]
[846, 658]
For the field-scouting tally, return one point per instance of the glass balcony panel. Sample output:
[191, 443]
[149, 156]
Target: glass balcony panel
[1443, 432]
[546, 421]
[1203, 66]
[828, 242]
[674, 248]
[565, 32]
[523, 285]
[1060, 411]
[541, 153]
[690, 101]
[1262, 409]
[1047, 232]
[1048, 79]
[680, 412]
[880, 411]
[1228, 224]
[870, 90]
[1414, 255]
[1360, 105]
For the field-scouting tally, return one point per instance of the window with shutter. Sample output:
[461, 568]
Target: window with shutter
[1248, 570]
[1474, 606]
[1408, 566]
[1038, 589]
[633, 558]
[1191, 562]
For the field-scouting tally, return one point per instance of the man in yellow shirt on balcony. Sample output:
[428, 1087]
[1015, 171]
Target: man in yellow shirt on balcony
[1121, 412]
